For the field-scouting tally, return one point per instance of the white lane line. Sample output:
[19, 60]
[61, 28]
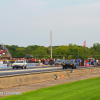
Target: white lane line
[26, 70]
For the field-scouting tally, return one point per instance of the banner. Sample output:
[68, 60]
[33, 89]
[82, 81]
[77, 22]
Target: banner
[3, 65]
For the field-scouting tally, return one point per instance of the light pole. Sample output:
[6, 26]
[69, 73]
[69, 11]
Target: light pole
[51, 42]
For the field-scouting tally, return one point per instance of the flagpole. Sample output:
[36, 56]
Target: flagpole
[84, 49]
[85, 43]
[84, 52]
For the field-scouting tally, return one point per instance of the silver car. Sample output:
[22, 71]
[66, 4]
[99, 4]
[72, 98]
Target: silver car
[58, 62]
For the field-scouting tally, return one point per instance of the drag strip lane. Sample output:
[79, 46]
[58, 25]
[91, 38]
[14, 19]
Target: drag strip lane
[24, 71]
[33, 67]
[27, 70]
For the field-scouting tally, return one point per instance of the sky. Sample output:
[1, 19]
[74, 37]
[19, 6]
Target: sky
[29, 22]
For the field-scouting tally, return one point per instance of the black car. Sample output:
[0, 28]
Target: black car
[69, 63]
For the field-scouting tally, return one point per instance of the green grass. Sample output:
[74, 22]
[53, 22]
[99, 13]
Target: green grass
[88, 89]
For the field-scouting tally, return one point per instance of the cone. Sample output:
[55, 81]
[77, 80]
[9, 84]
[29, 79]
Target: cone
[62, 77]
[59, 66]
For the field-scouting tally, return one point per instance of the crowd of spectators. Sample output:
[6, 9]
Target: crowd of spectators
[3, 52]
[35, 60]
[47, 61]
[90, 61]
[81, 62]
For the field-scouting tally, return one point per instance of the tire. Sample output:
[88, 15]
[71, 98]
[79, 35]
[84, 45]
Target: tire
[25, 67]
[13, 67]
[22, 67]
[16, 67]
[75, 67]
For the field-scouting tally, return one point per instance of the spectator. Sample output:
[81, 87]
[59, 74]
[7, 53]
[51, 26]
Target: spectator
[32, 60]
[4, 49]
[0, 46]
[82, 62]
[3, 53]
[95, 61]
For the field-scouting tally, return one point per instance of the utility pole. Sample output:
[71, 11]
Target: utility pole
[51, 42]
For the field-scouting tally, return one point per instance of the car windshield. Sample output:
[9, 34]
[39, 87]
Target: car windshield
[19, 61]
[58, 61]
[69, 61]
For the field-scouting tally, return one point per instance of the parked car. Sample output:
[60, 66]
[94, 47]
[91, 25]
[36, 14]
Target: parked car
[69, 63]
[19, 64]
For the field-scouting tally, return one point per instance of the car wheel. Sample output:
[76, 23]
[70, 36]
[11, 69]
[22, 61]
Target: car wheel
[63, 67]
[25, 67]
[13, 67]
[16, 67]
[75, 67]
[22, 67]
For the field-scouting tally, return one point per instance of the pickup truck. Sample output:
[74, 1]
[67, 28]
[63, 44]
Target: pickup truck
[19, 64]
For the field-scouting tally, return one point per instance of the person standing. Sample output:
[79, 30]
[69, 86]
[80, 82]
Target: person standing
[95, 61]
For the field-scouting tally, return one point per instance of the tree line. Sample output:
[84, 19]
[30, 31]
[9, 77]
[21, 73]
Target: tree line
[68, 51]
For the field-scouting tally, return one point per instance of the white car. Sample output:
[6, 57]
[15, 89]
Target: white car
[19, 64]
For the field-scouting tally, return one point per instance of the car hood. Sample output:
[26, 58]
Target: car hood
[19, 63]
[68, 63]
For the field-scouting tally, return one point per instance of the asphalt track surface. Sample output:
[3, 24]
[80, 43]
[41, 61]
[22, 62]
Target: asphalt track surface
[34, 69]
